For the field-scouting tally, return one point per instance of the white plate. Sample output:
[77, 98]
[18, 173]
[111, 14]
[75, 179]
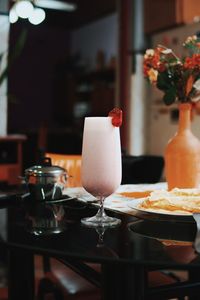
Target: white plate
[158, 215]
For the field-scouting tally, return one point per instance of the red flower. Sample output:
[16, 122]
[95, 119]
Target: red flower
[191, 62]
[161, 67]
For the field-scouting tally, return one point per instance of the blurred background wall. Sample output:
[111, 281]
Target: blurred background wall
[85, 62]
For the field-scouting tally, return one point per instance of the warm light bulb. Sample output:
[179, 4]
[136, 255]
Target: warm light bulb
[13, 17]
[37, 16]
[24, 9]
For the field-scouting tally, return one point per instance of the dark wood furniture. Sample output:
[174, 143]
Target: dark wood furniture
[11, 158]
[172, 13]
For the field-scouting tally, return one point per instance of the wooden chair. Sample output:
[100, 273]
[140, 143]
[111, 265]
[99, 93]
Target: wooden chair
[60, 282]
[72, 164]
[142, 169]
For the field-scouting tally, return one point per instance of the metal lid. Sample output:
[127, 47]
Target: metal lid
[45, 171]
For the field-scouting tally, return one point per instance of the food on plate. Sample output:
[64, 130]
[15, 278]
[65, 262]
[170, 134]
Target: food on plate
[185, 201]
[175, 243]
[137, 194]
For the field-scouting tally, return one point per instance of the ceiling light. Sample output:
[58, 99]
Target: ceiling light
[13, 17]
[24, 8]
[37, 16]
[59, 5]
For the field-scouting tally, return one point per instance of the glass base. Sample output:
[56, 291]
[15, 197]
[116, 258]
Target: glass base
[105, 221]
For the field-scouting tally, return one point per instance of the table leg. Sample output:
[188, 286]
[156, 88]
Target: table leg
[194, 274]
[20, 275]
[123, 282]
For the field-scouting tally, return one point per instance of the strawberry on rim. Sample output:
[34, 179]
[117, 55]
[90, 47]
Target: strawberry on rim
[116, 115]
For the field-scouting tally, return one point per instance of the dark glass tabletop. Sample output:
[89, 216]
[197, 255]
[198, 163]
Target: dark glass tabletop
[55, 229]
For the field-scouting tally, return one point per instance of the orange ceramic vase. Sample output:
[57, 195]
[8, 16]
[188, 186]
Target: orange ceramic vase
[182, 154]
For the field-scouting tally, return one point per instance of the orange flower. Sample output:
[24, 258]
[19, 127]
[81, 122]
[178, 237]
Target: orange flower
[189, 84]
[188, 64]
[153, 74]
[196, 58]
[145, 70]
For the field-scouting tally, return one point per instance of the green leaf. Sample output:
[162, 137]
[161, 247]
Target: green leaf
[170, 96]
[172, 60]
[18, 46]
[1, 56]
[163, 81]
[3, 75]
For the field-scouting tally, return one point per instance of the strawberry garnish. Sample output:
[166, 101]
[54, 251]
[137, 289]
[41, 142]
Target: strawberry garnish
[116, 115]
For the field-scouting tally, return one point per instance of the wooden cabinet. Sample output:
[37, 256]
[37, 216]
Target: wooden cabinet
[97, 90]
[11, 158]
[163, 14]
[86, 93]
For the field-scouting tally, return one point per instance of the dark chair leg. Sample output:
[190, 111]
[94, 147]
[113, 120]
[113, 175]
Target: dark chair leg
[194, 275]
[48, 287]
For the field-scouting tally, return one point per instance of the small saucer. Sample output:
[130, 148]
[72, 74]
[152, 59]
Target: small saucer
[57, 201]
[27, 198]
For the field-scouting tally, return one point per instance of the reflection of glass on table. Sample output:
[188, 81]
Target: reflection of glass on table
[165, 230]
[177, 238]
[45, 219]
[101, 247]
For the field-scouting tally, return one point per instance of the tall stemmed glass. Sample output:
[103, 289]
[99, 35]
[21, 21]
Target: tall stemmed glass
[101, 165]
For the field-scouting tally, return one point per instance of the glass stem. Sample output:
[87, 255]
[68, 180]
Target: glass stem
[101, 213]
[100, 241]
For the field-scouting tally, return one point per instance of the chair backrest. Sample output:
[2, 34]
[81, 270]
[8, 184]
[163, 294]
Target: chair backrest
[71, 163]
[142, 169]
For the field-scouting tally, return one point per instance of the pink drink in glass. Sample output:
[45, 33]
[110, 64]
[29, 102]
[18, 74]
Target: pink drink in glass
[101, 164]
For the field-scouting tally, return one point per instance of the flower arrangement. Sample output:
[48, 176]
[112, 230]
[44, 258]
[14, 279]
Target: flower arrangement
[179, 79]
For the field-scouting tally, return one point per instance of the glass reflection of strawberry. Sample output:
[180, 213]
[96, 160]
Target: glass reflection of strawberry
[116, 115]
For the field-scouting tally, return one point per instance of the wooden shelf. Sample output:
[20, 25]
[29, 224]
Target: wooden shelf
[163, 14]
[97, 88]
[104, 74]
